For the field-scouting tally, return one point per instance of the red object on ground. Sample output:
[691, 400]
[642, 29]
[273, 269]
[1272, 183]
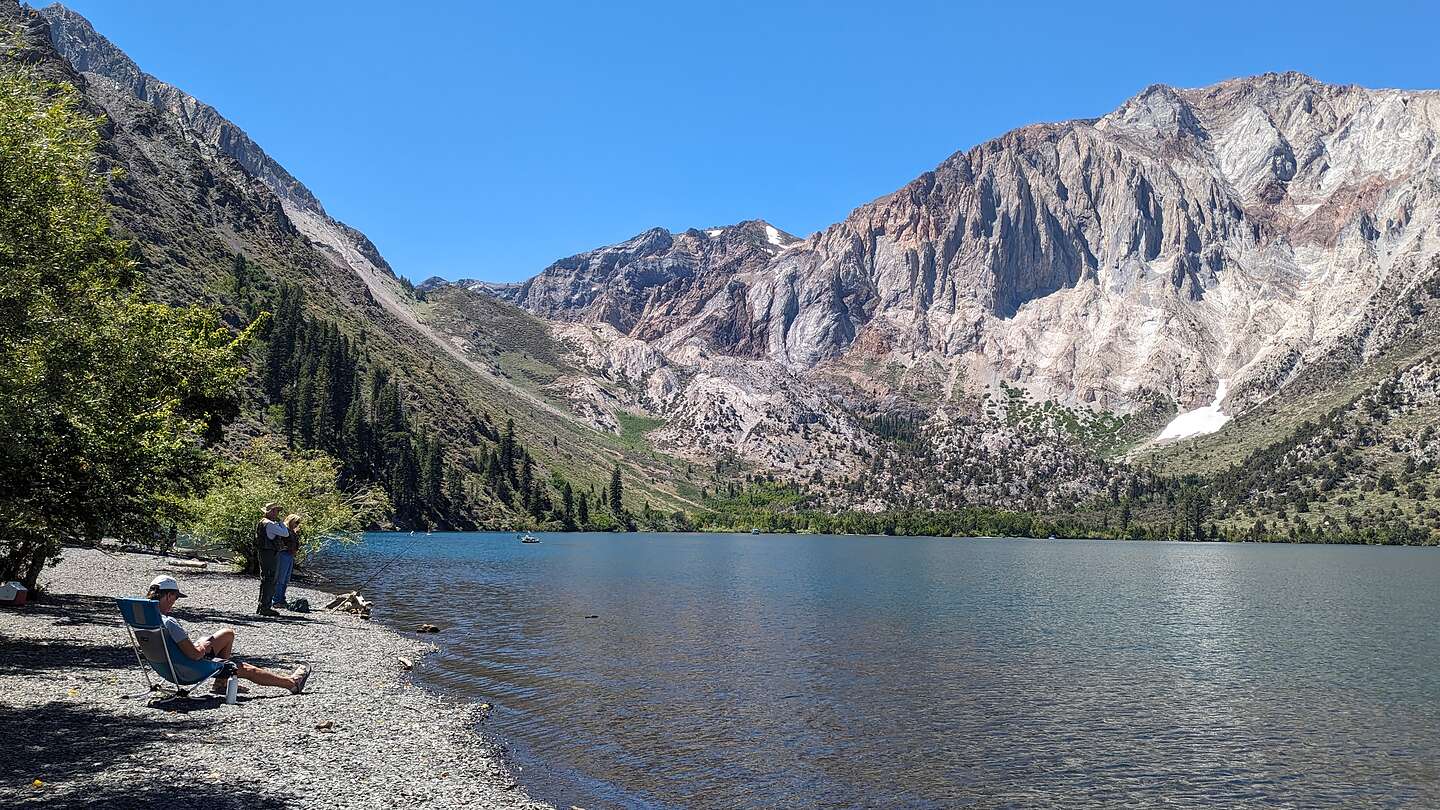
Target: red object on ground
[13, 594]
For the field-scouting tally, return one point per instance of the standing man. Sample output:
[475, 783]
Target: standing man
[270, 536]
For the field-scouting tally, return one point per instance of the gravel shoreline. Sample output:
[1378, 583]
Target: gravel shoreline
[66, 664]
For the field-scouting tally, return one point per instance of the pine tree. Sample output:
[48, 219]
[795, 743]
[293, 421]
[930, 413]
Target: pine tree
[526, 479]
[355, 442]
[567, 505]
[617, 503]
[305, 412]
[454, 488]
[507, 450]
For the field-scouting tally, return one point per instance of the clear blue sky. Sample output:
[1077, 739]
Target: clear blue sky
[485, 140]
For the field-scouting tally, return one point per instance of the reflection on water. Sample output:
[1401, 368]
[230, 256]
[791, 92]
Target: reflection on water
[739, 671]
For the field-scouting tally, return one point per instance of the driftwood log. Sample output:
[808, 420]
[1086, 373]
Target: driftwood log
[184, 563]
[351, 602]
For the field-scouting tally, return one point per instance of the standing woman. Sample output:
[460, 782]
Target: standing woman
[285, 560]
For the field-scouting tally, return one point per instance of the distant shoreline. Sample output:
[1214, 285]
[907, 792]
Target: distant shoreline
[68, 665]
[746, 532]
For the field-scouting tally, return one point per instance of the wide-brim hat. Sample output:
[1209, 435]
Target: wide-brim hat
[269, 507]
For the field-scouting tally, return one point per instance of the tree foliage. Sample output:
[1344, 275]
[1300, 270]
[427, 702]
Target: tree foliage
[107, 402]
[303, 482]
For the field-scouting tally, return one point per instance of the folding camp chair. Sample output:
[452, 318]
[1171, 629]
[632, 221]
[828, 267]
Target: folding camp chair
[155, 647]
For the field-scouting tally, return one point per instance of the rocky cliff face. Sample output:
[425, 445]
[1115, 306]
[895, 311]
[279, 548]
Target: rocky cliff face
[95, 56]
[657, 282]
[1236, 232]
[1190, 236]
[1192, 245]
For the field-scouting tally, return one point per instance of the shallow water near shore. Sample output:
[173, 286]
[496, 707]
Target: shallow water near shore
[760, 671]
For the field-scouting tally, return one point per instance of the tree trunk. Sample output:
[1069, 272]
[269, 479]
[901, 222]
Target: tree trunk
[37, 564]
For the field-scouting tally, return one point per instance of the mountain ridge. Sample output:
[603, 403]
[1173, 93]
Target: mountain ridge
[1223, 242]
[206, 230]
[1245, 189]
[1010, 328]
[88, 51]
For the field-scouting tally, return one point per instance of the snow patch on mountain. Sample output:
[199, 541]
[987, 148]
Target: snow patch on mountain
[1199, 421]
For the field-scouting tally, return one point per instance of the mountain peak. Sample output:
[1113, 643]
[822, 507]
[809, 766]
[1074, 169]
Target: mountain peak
[90, 53]
[754, 230]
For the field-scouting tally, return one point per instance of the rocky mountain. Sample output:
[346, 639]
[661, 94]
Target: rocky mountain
[1195, 250]
[1018, 327]
[109, 71]
[1236, 232]
[654, 283]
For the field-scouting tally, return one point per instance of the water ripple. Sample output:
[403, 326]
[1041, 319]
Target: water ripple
[834, 672]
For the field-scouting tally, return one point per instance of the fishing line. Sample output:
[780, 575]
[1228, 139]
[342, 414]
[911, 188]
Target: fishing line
[389, 562]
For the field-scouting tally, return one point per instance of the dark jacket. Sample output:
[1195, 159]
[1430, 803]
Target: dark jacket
[263, 540]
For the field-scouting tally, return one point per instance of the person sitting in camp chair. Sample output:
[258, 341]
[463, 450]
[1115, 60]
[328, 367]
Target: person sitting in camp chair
[165, 590]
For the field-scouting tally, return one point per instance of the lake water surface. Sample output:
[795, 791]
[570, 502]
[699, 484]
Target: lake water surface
[767, 671]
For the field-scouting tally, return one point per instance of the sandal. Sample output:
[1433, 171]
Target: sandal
[301, 675]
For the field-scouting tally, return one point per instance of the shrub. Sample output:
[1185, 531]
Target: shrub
[302, 482]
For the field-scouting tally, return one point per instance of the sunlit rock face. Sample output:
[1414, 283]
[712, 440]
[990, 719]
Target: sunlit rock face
[1239, 231]
[656, 283]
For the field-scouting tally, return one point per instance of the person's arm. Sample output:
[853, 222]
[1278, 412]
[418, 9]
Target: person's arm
[193, 651]
[276, 529]
[182, 640]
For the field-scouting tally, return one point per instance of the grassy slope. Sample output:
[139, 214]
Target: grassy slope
[519, 348]
[1269, 446]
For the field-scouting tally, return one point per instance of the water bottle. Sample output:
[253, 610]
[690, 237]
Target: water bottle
[232, 688]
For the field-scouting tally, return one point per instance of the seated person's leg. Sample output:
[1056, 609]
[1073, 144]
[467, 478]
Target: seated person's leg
[220, 646]
[221, 643]
[294, 682]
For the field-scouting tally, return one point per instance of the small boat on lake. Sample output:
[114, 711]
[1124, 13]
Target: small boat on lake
[529, 538]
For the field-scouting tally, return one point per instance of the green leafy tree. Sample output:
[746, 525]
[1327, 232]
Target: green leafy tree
[107, 402]
[303, 482]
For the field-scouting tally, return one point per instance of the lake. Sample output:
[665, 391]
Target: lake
[766, 671]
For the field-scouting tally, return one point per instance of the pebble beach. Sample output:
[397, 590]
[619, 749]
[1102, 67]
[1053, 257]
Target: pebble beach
[361, 735]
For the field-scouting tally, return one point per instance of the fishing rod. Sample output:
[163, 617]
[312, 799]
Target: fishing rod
[391, 561]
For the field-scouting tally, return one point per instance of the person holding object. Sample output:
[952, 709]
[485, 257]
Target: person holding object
[269, 536]
[165, 590]
[285, 561]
